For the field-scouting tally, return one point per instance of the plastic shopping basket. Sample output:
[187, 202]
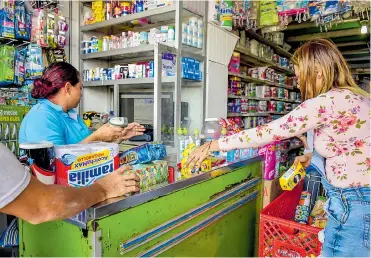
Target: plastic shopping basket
[280, 235]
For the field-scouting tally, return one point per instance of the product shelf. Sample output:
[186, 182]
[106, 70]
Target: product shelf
[279, 113]
[256, 60]
[247, 115]
[131, 81]
[158, 16]
[263, 99]
[258, 37]
[258, 81]
[245, 97]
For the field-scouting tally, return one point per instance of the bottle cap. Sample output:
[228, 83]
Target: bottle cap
[185, 131]
[196, 132]
[180, 131]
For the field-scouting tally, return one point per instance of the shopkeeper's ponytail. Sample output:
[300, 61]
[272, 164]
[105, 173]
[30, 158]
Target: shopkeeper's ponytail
[53, 79]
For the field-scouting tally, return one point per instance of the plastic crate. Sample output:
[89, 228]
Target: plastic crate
[280, 235]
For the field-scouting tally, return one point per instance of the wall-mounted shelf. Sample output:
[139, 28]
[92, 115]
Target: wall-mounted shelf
[279, 50]
[247, 57]
[258, 81]
[157, 17]
[247, 115]
[279, 113]
[262, 99]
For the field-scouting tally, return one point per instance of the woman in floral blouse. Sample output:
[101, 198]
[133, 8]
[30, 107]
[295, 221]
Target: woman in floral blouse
[339, 113]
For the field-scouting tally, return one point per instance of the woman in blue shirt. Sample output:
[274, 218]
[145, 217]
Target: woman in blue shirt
[54, 118]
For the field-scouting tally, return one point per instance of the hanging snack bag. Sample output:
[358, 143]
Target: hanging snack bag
[22, 22]
[6, 65]
[268, 13]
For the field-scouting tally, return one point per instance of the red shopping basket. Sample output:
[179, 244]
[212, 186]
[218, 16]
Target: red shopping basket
[280, 235]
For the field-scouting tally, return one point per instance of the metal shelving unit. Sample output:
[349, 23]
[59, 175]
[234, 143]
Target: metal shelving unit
[173, 14]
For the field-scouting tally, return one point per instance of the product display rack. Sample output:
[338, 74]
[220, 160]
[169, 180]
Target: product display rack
[173, 14]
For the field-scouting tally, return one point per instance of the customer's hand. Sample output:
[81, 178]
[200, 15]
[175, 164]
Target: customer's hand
[133, 129]
[107, 133]
[117, 184]
[201, 153]
[304, 140]
[304, 160]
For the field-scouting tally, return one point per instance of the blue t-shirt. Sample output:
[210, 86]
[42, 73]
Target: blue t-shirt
[47, 121]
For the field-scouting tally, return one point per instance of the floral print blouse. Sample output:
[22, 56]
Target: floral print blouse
[341, 123]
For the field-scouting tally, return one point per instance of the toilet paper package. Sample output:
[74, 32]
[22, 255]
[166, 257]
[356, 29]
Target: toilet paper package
[80, 165]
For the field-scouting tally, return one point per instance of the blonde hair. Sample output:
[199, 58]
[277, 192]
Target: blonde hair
[335, 70]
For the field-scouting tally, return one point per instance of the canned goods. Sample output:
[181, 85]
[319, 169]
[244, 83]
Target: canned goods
[276, 59]
[305, 198]
[302, 214]
[293, 96]
[280, 93]
[139, 6]
[280, 106]
[126, 8]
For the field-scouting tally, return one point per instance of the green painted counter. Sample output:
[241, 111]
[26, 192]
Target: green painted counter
[215, 216]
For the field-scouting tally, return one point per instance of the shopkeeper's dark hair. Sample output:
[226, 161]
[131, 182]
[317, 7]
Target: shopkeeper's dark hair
[54, 78]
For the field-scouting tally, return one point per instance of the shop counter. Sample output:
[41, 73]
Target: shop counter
[212, 214]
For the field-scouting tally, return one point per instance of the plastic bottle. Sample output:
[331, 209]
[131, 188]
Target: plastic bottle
[196, 137]
[187, 139]
[130, 39]
[181, 141]
[211, 131]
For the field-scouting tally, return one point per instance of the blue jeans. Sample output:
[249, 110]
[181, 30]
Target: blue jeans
[347, 233]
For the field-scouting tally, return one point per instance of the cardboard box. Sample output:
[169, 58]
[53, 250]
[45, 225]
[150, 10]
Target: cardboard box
[271, 191]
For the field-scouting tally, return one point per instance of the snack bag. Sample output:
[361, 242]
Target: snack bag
[318, 217]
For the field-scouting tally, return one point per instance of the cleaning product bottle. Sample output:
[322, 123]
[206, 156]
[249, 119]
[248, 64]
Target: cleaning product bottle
[196, 137]
[187, 139]
[181, 141]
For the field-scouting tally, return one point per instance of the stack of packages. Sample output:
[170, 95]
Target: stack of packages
[147, 164]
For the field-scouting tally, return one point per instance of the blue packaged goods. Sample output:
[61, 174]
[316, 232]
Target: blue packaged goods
[22, 21]
[34, 62]
[137, 155]
[6, 65]
[157, 150]
[302, 214]
[233, 156]
[7, 19]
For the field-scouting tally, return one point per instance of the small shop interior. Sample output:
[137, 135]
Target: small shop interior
[182, 69]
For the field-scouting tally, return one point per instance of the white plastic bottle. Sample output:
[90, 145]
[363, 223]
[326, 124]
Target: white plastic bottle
[211, 131]
[187, 139]
[181, 141]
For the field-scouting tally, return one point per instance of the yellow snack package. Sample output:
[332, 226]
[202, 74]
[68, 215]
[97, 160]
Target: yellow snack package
[292, 177]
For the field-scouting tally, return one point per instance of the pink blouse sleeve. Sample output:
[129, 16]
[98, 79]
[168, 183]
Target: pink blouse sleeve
[309, 115]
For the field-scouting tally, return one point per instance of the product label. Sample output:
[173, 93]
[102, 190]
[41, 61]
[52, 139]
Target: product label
[86, 169]
[130, 156]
